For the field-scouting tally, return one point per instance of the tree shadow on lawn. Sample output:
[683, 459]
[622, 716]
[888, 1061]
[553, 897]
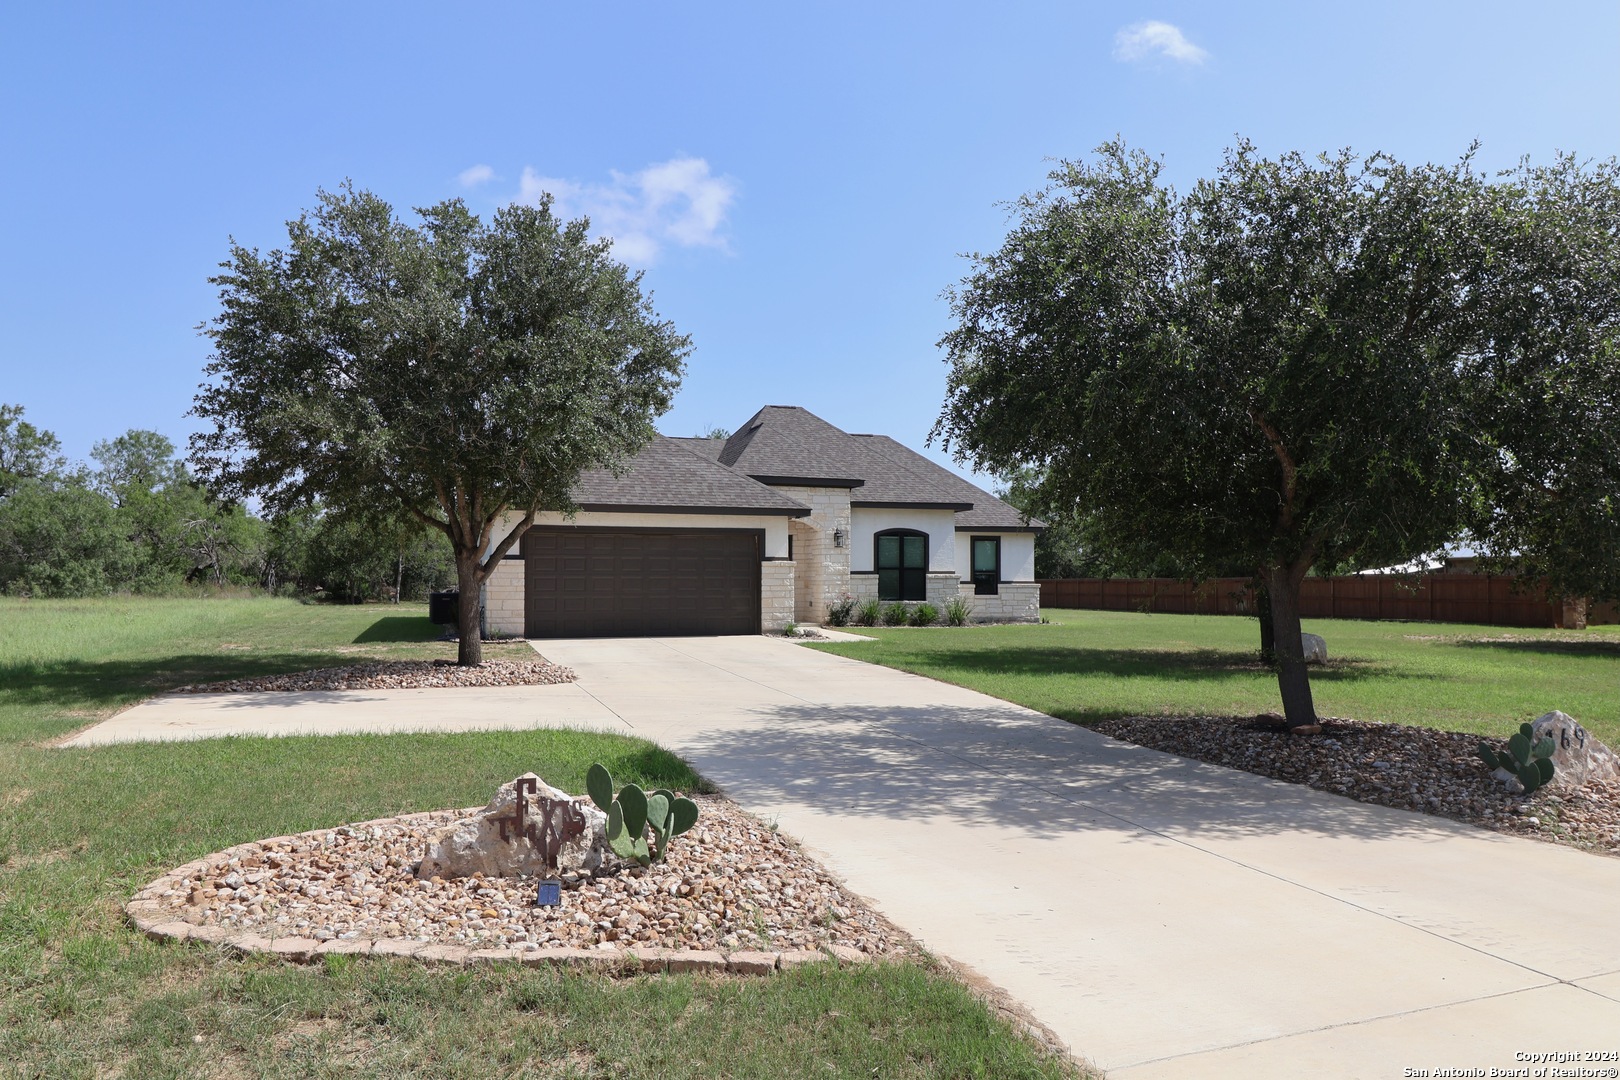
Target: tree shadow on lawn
[174, 800]
[1038, 775]
[1189, 665]
[392, 628]
[1547, 646]
[110, 683]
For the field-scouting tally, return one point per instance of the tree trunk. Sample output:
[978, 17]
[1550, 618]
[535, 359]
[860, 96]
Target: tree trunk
[470, 650]
[1268, 625]
[1292, 678]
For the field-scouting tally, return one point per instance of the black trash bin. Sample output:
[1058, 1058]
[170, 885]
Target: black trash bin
[444, 607]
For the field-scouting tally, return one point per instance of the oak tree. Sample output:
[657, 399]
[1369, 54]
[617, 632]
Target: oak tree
[452, 370]
[1550, 370]
[1269, 371]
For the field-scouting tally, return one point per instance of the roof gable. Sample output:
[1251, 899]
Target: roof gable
[787, 445]
[784, 444]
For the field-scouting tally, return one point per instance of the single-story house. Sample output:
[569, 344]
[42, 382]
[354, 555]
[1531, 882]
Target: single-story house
[770, 526]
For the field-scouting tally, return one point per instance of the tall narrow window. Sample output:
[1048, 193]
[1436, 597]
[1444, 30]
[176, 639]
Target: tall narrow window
[902, 565]
[986, 565]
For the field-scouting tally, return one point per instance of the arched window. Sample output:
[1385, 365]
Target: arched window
[901, 561]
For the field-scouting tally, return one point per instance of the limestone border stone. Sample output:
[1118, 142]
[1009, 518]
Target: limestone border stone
[148, 916]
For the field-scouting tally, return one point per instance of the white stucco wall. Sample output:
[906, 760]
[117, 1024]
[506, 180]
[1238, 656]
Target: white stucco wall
[775, 525]
[1017, 555]
[940, 525]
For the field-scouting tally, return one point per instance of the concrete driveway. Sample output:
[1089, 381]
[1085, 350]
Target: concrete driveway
[1165, 918]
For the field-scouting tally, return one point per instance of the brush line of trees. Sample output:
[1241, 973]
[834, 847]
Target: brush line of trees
[137, 520]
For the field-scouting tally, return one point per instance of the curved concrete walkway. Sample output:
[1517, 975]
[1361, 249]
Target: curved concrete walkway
[1166, 918]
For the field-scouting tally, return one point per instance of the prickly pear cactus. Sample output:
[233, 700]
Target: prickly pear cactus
[633, 812]
[599, 786]
[1530, 761]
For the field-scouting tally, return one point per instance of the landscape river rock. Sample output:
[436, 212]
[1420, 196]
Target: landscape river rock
[731, 885]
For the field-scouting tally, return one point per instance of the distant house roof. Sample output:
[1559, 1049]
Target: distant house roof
[670, 476]
[1459, 553]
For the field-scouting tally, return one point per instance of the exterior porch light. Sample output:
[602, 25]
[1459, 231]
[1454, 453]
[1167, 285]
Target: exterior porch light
[839, 536]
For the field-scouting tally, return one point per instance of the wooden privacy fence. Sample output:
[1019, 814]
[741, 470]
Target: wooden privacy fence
[1464, 598]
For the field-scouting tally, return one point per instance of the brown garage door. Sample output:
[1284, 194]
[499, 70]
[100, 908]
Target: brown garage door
[640, 582]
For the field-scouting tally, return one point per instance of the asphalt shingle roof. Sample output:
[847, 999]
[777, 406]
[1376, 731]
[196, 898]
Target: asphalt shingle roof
[670, 476]
[787, 445]
[986, 512]
[709, 448]
[784, 443]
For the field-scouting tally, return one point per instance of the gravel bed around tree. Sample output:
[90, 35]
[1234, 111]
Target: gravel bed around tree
[1409, 768]
[729, 884]
[397, 675]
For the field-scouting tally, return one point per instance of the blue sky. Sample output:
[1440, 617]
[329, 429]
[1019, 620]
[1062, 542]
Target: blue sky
[798, 182]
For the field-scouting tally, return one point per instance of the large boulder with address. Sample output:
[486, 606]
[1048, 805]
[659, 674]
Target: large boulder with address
[1577, 756]
[1315, 648]
[490, 843]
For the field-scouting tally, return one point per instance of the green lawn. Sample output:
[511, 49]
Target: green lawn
[1087, 665]
[80, 830]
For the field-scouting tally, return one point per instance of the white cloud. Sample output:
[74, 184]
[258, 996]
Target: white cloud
[674, 202]
[533, 185]
[1144, 40]
[478, 174]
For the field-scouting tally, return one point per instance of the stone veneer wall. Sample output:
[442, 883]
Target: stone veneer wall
[776, 588]
[1017, 601]
[939, 589]
[821, 569]
[862, 586]
[503, 599]
[802, 537]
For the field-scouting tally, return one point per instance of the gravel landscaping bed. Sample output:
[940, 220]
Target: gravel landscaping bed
[397, 675]
[729, 884]
[1409, 768]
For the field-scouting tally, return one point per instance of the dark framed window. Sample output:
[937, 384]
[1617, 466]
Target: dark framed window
[901, 561]
[986, 565]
